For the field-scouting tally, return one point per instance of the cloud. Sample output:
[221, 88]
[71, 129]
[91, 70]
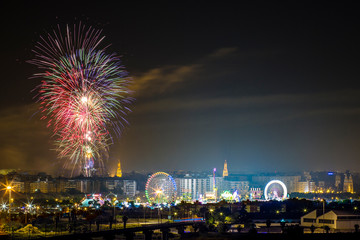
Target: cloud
[260, 101]
[25, 140]
[159, 80]
[252, 110]
[223, 52]
[12, 156]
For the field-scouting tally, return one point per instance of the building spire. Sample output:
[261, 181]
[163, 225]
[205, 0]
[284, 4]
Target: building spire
[225, 171]
[118, 171]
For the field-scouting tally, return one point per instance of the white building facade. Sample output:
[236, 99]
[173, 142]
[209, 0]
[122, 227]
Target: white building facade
[336, 220]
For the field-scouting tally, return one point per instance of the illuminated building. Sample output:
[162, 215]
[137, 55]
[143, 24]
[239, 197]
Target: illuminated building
[305, 187]
[337, 181]
[118, 171]
[210, 196]
[336, 220]
[321, 186]
[72, 184]
[309, 219]
[348, 183]
[18, 186]
[42, 185]
[39, 186]
[239, 183]
[88, 186]
[255, 193]
[192, 188]
[225, 171]
[307, 176]
[129, 187]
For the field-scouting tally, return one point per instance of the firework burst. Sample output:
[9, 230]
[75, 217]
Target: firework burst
[83, 95]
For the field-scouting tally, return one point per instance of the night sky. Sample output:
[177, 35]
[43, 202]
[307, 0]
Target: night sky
[268, 87]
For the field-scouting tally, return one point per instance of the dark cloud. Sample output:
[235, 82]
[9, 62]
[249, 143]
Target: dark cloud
[25, 141]
[170, 78]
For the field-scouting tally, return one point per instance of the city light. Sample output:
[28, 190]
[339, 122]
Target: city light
[3, 207]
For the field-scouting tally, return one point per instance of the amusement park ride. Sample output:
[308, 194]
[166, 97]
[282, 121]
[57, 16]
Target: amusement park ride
[275, 190]
[160, 188]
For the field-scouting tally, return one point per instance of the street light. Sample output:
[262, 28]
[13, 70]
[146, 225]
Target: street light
[3, 206]
[323, 200]
[114, 211]
[9, 188]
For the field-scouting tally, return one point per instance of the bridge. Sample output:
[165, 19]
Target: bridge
[129, 233]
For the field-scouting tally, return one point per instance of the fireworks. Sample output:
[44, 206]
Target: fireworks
[83, 95]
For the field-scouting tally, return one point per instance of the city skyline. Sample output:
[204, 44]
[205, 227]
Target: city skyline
[264, 87]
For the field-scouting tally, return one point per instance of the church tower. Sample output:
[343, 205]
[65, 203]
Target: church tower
[225, 171]
[118, 171]
[348, 183]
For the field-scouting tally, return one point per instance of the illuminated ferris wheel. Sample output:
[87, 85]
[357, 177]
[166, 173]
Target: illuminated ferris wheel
[275, 190]
[160, 188]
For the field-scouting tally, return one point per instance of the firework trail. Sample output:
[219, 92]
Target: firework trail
[83, 95]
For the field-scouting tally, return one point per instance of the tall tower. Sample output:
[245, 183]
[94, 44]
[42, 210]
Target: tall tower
[214, 184]
[337, 181]
[348, 183]
[225, 171]
[118, 171]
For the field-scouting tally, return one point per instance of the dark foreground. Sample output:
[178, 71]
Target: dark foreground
[214, 236]
[320, 236]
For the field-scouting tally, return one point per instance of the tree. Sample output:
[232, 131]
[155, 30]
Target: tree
[223, 228]
[356, 226]
[125, 218]
[327, 229]
[196, 204]
[253, 229]
[312, 228]
[268, 224]
[239, 228]
[282, 225]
